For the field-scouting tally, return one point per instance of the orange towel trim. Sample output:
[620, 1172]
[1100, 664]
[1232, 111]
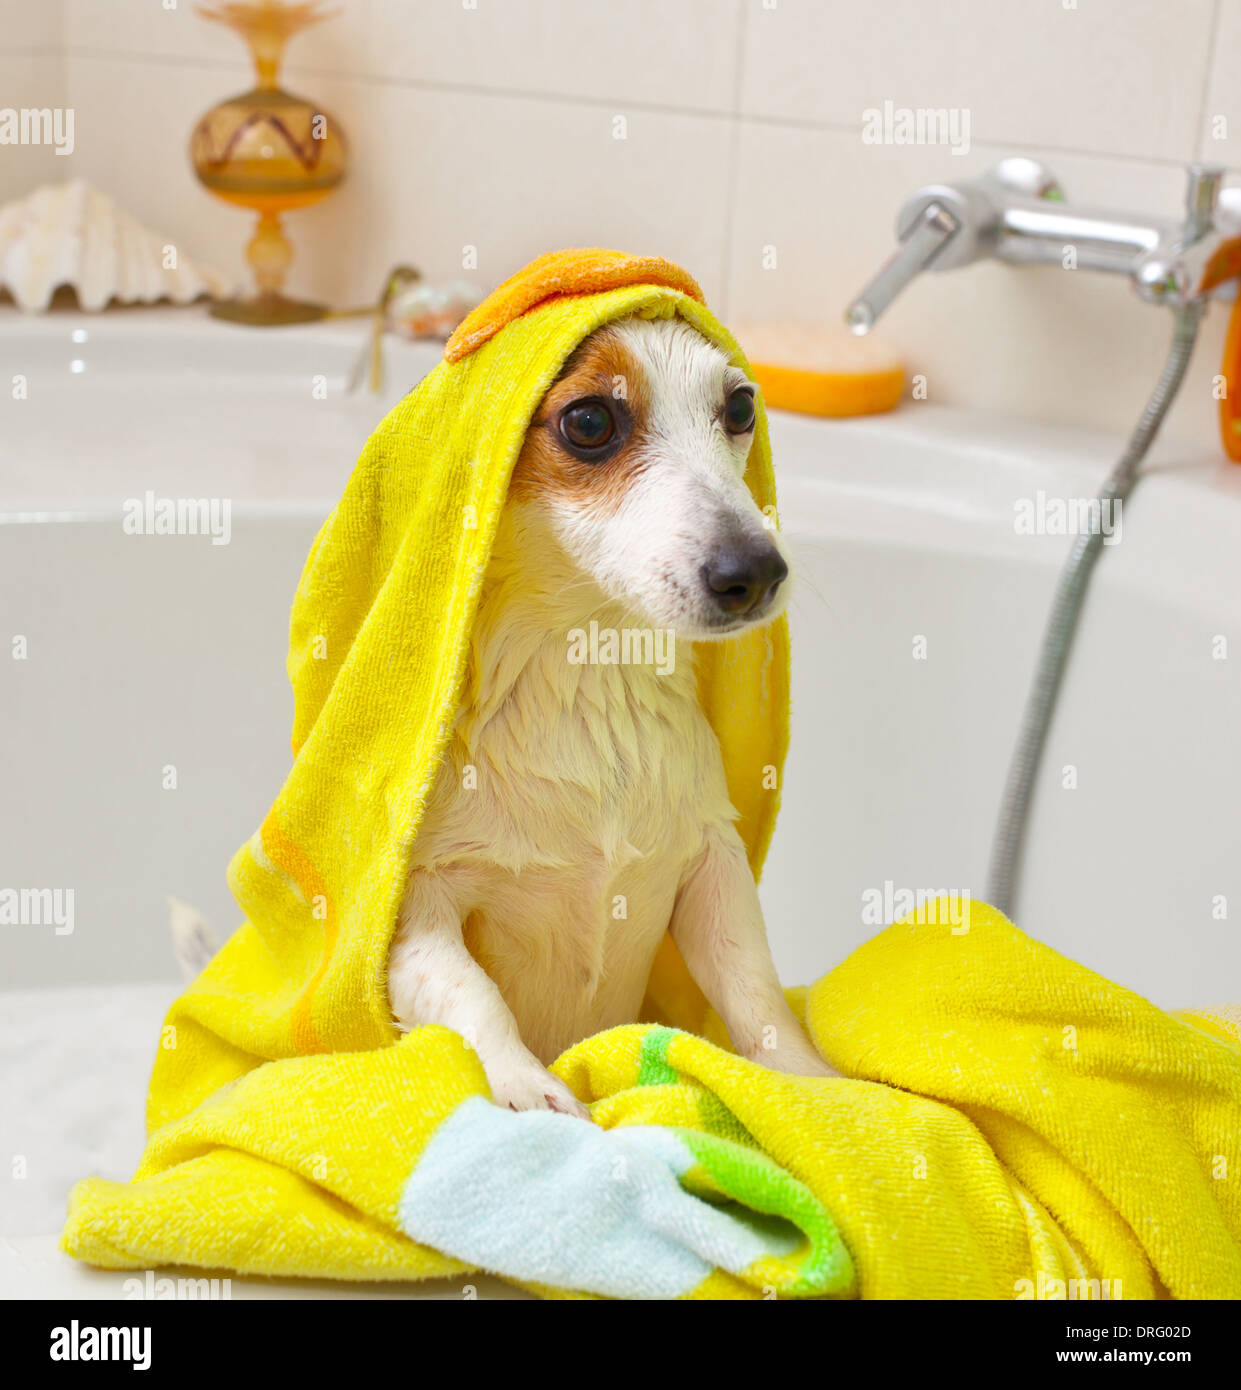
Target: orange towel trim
[294, 862]
[584, 270]
[1230, 401]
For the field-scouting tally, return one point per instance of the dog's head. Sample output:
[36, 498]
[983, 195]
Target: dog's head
[634, 466]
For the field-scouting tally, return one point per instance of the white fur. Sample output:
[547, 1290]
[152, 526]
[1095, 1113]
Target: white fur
[581, 810]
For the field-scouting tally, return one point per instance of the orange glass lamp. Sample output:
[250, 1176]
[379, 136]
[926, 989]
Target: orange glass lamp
[270, 152]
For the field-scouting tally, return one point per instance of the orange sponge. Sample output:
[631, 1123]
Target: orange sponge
[821, 372]
[587, 270]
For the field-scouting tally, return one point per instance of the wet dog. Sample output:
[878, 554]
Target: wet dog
[581, 810]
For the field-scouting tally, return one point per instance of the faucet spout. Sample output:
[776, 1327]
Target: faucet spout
[935, 227]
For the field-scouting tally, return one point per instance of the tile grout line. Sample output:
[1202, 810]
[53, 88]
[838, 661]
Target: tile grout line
[734, 171]
[994, 143]
[1207, 76]
[609, 102]
[416, 83]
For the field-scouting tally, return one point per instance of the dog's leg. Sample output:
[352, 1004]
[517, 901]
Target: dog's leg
[432, 978]
[717, 925]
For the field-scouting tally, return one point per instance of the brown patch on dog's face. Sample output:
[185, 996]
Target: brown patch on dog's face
[584, 444]
[632, 477]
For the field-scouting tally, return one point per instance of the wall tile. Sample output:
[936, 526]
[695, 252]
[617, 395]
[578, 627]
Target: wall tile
[1220, 137]
[30, 26]
[431, 172]
[134, 120]
[145, 28]
[1108, 76]
[675, 53]
[514, 177]
[32, 80]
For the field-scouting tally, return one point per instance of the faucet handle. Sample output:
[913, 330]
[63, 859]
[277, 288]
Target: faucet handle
[933, 229]
[1027, 178]
[1203, 256]
[1202, 198]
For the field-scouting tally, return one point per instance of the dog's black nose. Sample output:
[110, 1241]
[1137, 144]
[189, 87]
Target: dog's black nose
[742, 577]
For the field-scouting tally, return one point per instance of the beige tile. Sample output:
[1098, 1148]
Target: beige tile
[1220, 136]
[514, 177]
[431, 173]
[1106, 76]
[36, 80]
[134, 120]
[141, 27]
[145, 28]
[1045, 343]
[675, 53]
[30, 26]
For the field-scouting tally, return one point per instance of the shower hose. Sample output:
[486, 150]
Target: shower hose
[1062, 623]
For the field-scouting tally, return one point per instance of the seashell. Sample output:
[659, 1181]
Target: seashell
[71, 234]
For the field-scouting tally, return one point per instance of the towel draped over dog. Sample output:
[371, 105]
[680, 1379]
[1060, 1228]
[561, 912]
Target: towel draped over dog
[1012, 1118]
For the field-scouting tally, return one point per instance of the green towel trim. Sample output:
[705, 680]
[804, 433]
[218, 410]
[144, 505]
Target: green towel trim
[784, 1209]
[654, 1069]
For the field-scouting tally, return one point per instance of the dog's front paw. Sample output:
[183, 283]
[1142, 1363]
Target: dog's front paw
[529, 1086]
[795, 1055]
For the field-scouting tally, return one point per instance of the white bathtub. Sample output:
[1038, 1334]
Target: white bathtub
[149, 652]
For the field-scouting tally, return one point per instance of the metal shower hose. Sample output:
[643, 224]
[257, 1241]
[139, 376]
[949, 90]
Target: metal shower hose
[1066, 609]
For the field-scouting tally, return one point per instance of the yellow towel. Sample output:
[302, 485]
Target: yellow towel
[1019, 1128]
[378, 637]
[291, 1130]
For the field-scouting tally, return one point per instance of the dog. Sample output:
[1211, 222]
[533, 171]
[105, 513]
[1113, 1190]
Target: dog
[581, 809]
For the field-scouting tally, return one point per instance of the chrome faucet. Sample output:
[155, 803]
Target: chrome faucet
[1017, 212]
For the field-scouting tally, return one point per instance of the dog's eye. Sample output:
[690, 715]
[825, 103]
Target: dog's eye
[739, 411]
[588, 425]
